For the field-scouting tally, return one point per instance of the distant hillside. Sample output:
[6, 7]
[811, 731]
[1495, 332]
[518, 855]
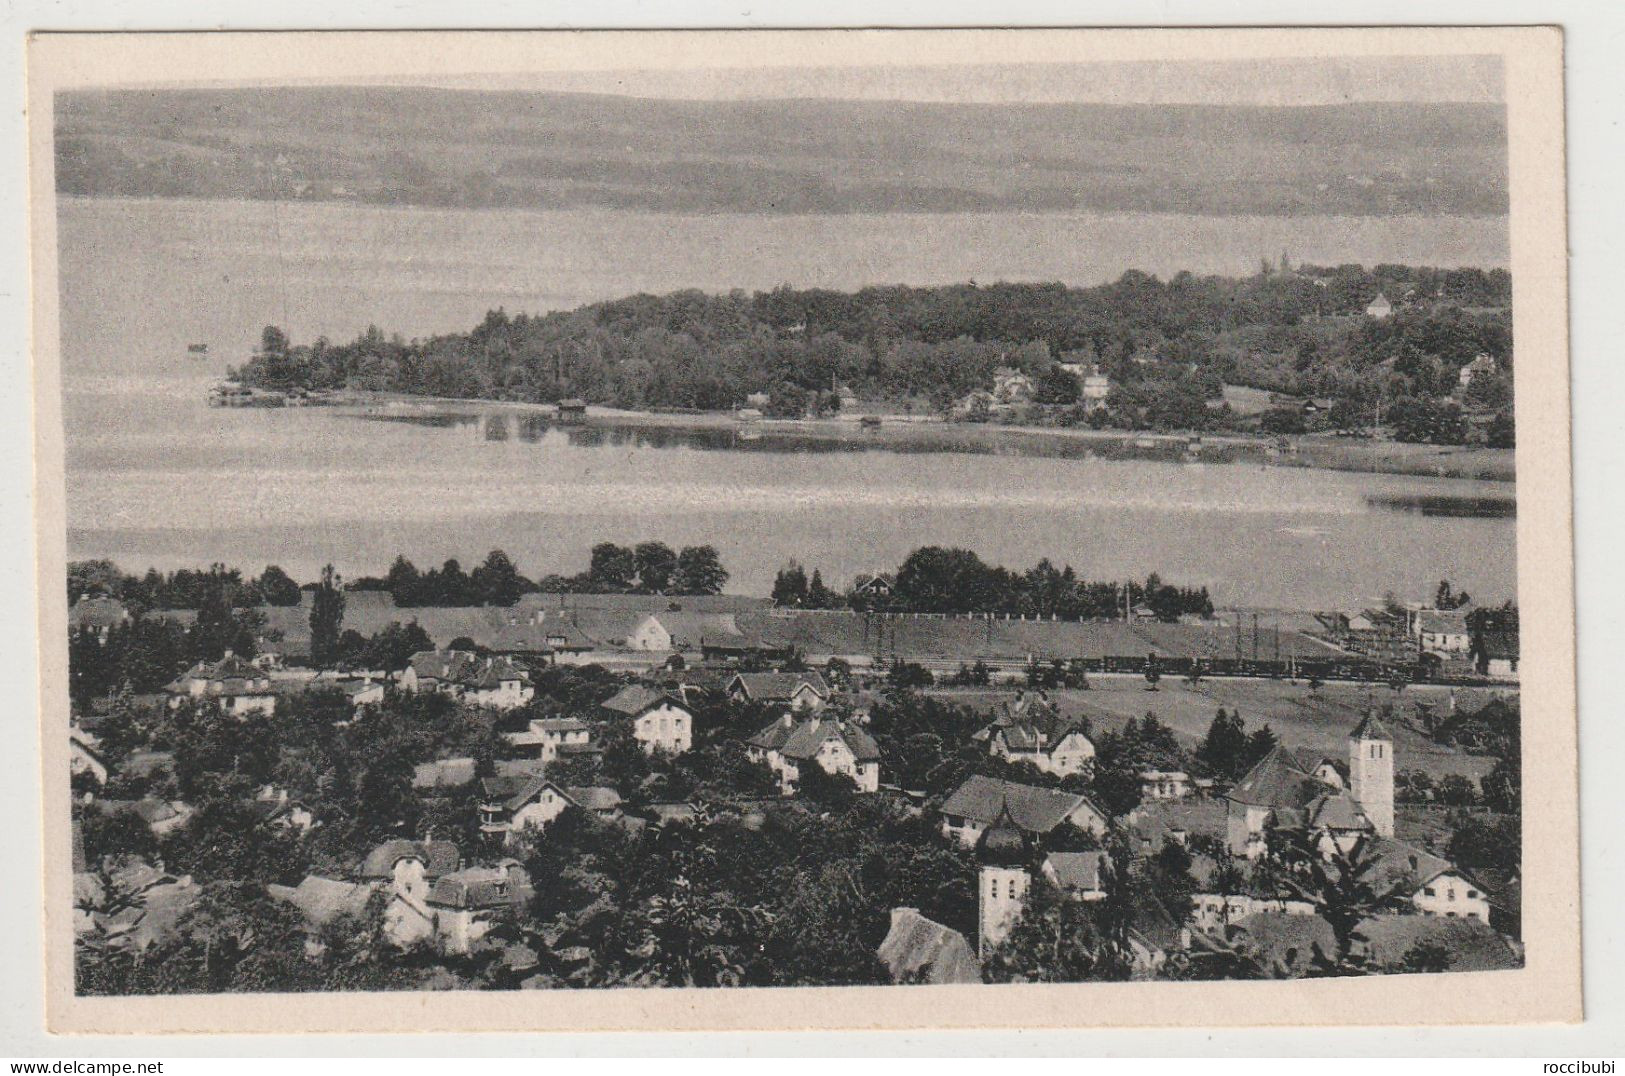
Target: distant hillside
[438, 147]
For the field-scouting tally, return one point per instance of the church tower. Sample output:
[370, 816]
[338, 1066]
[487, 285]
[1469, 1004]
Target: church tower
[1371, 772]
[1002, 882]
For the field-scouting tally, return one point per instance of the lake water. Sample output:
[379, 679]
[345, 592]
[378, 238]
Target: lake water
[155, 477]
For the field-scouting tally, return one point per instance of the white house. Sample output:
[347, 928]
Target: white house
[237, 686]
[1032, 730]
[659, 722]
[683, 632]
[551, 737]
[837, 747]
[1379, 307]
[1441, 631]
[1165, 785]
[465, 904]
[496, 682]
[1287, 791]
[409, 869]
[1434, 885]
[800, 691]
[512, 805]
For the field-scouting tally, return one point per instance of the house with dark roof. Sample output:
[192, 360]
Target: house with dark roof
[1432, 884]
[1038, 812]
[548, 738]
[511, 805]
[97, 614]
[1441, 631]
[497, 682]
[921, 950]
[237, 686]
[467, 903]
[1496, 655]
[1288, 792]
[1031, 729]
[409, 869]
[800, 691]
[660, 721]
[838, 747]
[1080, 875]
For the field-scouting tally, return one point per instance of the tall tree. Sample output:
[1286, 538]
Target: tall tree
[699, 571]
[656, 565]
[1224, 747]
[613, 567]
[326, 618]
[790, 586]
[277, 588]
[497, 581]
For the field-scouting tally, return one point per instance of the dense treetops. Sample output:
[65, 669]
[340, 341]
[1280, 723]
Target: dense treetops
[1168, 346]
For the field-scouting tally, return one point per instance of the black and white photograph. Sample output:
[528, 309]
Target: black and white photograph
[821, 524]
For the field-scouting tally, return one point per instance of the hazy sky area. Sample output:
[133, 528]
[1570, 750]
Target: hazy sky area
[1258, 82]
[1307, 81]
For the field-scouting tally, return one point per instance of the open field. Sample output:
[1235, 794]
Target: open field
[1314, 725]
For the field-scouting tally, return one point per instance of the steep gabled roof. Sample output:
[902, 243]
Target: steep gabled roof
[493, 673]
[637, 699]
[1335, 810]
[1279, 780]
[807, 737]
[1078, 870]
[437, 857]
[480, 888]
[448, 665]
[779, 686]
[1394, 862]
[1035, 810]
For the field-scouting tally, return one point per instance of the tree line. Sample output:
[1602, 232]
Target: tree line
[1168, 346]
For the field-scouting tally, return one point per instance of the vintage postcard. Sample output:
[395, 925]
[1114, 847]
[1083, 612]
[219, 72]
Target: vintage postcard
[832, 529]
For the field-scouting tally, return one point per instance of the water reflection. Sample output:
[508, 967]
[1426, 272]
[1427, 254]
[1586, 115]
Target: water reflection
[535, 428]
[1446, 505]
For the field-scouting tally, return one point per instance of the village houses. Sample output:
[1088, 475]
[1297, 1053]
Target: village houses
[554, 737]
[839, 748]
[659, 721]
[805, 691]
[497, 682]
[237, 686]
[974, 805]
[1032, 730]
[512, 804]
